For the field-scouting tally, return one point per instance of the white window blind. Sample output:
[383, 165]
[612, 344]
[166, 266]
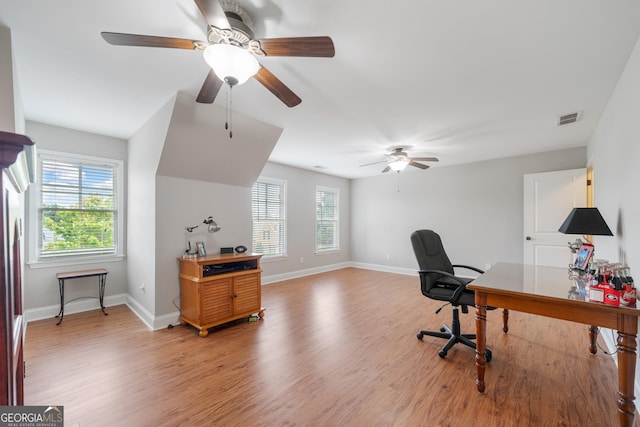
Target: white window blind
[327, 219]
[268, 206]
[77, 207]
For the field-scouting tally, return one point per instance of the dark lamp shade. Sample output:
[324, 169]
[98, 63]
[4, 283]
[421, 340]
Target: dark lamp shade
[587, 221]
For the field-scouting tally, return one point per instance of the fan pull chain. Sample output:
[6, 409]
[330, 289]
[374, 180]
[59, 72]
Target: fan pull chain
[228, 124]
[226, 107]
[230, 112]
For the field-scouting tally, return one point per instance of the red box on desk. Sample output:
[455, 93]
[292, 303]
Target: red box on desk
[611, 296]
[596, 292]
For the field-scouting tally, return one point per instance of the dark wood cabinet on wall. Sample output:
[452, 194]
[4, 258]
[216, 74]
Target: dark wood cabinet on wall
[13, 181]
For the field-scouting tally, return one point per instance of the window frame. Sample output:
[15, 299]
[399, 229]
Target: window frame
[336, 220]
[36, 260]
[282, 183]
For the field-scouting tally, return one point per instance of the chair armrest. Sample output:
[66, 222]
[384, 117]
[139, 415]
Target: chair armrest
[468, 267]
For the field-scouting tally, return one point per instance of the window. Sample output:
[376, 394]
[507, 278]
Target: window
[75, 208]
[268, 206]
[327, 219]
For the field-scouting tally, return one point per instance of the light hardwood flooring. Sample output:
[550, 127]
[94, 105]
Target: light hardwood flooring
[334, 349]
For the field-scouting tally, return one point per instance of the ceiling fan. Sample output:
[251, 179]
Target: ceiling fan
[230, 43]
[399, 159]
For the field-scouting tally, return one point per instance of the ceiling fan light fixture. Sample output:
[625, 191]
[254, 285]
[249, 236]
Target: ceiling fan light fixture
[398, 164]
[232, 64]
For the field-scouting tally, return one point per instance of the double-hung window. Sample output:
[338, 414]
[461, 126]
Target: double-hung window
[327, 219]
[76, 208]
[268, 207]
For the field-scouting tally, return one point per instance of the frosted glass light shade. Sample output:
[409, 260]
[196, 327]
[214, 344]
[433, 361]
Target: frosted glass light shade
[398, 165]
[232, 64]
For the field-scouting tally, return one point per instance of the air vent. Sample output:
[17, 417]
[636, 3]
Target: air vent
[569, 118]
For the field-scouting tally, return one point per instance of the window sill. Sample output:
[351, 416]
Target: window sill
[270, 258]
[328, 252]
[75, 261]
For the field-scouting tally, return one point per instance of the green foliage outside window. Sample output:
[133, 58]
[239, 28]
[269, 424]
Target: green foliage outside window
[87, 228]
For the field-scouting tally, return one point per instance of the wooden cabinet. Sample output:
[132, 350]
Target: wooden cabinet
[13, 181]
[217, 289]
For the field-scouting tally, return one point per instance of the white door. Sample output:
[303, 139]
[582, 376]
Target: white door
[548, 199]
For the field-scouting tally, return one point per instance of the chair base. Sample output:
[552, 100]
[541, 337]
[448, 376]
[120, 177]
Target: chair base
[453, 336]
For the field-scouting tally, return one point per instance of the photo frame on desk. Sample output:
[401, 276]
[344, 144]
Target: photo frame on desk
[583, 257]
[201, 250]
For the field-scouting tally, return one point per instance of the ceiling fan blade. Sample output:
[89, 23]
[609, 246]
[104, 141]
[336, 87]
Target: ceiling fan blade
[275, 86]
[122, 39]
[321, 46]
[210, 89]
[426, 159]
[213, 13]
[374, 163]
[418, 165]
[387, 169]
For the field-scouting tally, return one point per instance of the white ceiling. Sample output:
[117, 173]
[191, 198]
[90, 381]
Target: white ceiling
[460, 80]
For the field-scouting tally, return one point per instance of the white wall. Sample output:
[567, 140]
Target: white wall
[40, 284]
[477, 208]
[301, 215]
[181, 203]
[7, 85]
[144, 151]
[614, 152]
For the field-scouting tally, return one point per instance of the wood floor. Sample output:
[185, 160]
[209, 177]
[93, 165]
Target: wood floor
[334, 349]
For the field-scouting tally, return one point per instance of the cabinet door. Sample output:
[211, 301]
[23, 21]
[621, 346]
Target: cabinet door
[247, 294]
[216, 301]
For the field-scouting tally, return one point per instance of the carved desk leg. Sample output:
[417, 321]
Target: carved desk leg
[593, 338]
[481, 341]
[505, 320]
[627, 331]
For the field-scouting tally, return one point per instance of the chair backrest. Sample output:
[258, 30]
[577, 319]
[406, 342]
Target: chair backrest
[430, 255]
[429, 251]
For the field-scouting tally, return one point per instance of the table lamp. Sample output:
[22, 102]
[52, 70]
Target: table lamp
[588, 222]
[585, 221]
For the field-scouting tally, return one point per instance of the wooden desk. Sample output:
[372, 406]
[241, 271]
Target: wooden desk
[101, 273]
[544, 291]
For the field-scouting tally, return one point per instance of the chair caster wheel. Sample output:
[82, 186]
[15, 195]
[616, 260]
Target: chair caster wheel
[442, 354]
[419, 336]
[488, 355]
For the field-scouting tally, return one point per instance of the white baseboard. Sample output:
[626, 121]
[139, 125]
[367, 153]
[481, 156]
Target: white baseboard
[309, 271]
[139, 310]
[302, 273]
[386, 268]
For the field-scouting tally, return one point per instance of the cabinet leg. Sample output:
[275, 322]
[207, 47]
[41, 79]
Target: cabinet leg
[203, 333]
[261, 314]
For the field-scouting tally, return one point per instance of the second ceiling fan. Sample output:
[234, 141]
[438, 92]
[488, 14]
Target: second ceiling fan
[399, 159]
[230, 40]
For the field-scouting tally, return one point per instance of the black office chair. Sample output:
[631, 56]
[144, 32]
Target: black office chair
[439, 282]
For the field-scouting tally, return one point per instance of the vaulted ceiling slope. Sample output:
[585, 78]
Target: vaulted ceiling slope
[198, 147]
[461, 81]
